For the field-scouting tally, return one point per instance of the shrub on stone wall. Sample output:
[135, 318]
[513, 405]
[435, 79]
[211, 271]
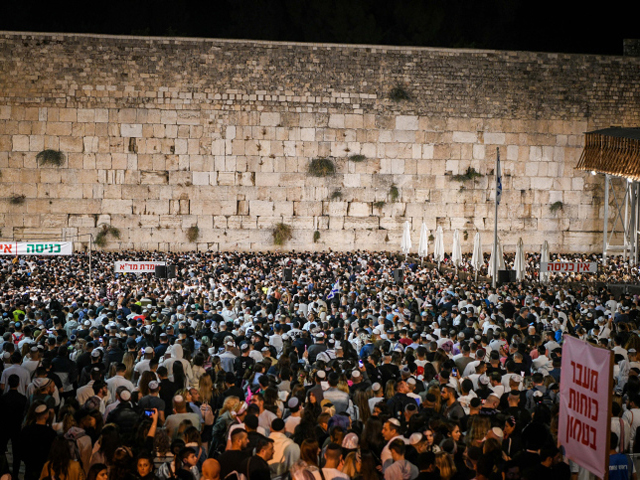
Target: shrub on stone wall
[316, 236]
[394, 193]
[50, 157]
[398, 94]
[193, 233]
[17, 199]
[357, 158]
[336, 195]
[470, 174]
[556, 206]
[101, 239]
[282, 233]
[321, 167]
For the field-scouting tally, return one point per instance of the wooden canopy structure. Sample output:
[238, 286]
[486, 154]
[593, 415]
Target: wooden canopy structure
[612, 151]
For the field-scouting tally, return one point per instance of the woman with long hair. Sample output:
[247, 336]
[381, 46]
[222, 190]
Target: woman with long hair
[371, 438]
[129, 359]
[226, 417]
[205, 388]
[122, 465]
[198, 369]
[361, 402]
[366, 466]
[143, 383]
[106, 445]
[179, 377]
[349, 467]
[447, 467]
[60, 465]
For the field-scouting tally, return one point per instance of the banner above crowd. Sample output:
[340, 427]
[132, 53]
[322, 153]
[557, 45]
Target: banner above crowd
[136, 267]
[569, 267]
[36, 248]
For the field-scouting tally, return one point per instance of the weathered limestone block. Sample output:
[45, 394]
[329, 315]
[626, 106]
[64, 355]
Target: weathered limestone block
[359, 209]
[364, 223]
[260, 208]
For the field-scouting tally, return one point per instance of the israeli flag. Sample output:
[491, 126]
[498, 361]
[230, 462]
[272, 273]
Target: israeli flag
[334, 290]
[498, 182]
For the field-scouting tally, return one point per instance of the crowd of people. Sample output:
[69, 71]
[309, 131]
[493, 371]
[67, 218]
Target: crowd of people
[229, 371]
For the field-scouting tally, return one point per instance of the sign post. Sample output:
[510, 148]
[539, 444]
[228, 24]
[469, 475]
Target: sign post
[585, 404]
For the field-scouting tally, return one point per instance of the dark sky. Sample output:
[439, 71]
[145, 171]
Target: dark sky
[549, 26]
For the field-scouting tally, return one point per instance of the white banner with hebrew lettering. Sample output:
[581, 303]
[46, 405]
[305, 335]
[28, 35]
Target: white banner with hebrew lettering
[136, 267]
[569, 267]
[36, 248]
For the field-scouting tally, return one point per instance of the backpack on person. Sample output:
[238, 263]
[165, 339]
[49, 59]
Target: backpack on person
[72, 436]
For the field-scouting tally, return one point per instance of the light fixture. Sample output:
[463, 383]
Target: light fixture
[593, 172]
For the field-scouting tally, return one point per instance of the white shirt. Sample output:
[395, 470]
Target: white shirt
[633, 419]
[118, 381]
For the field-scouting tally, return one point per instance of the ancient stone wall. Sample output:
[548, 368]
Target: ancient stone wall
[163, 134]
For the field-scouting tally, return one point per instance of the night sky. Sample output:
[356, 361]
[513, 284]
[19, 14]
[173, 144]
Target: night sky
[548, 26]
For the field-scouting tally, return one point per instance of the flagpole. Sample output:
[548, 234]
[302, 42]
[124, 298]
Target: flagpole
[495, 224]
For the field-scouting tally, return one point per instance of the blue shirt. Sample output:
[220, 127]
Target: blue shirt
[620, 468]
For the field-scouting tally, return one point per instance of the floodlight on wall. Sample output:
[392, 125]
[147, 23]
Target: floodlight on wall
[593, 172]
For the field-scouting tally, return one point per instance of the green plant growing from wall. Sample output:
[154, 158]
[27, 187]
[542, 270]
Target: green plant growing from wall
[316, 236]
[379, 204]
[336, 195]
[394, 193]
[193, 233]
[282, 233]
[17, 199]
[431, 238]
[465, 235]
[357, 158]
[470, 174]
[398, 94]
[556, 206]
[106, 231]
[321, 167]
[50, 157]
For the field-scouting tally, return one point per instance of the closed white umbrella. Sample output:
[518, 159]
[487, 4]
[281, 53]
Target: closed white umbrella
[405, 245]
[519, 265]
[438, 248]
[456, 253]
[500, 259]
[477, 260]
[423, 246]
[544, 257]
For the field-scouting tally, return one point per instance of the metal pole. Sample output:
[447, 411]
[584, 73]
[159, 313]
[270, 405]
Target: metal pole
[90, 255]
[495, 225]
[625, 227]
[605, 230]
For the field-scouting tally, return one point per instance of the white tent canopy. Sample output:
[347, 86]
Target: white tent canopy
[405, 245]
[456, 253]
[477, 260]
[500, 259]
[519, 264]
[544, 257]
[423, 246]
[438, 248]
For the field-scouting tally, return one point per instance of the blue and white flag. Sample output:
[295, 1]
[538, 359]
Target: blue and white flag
[334, 290]
[498, 182]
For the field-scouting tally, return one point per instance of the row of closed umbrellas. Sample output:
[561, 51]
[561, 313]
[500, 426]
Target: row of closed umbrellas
[477, 259]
